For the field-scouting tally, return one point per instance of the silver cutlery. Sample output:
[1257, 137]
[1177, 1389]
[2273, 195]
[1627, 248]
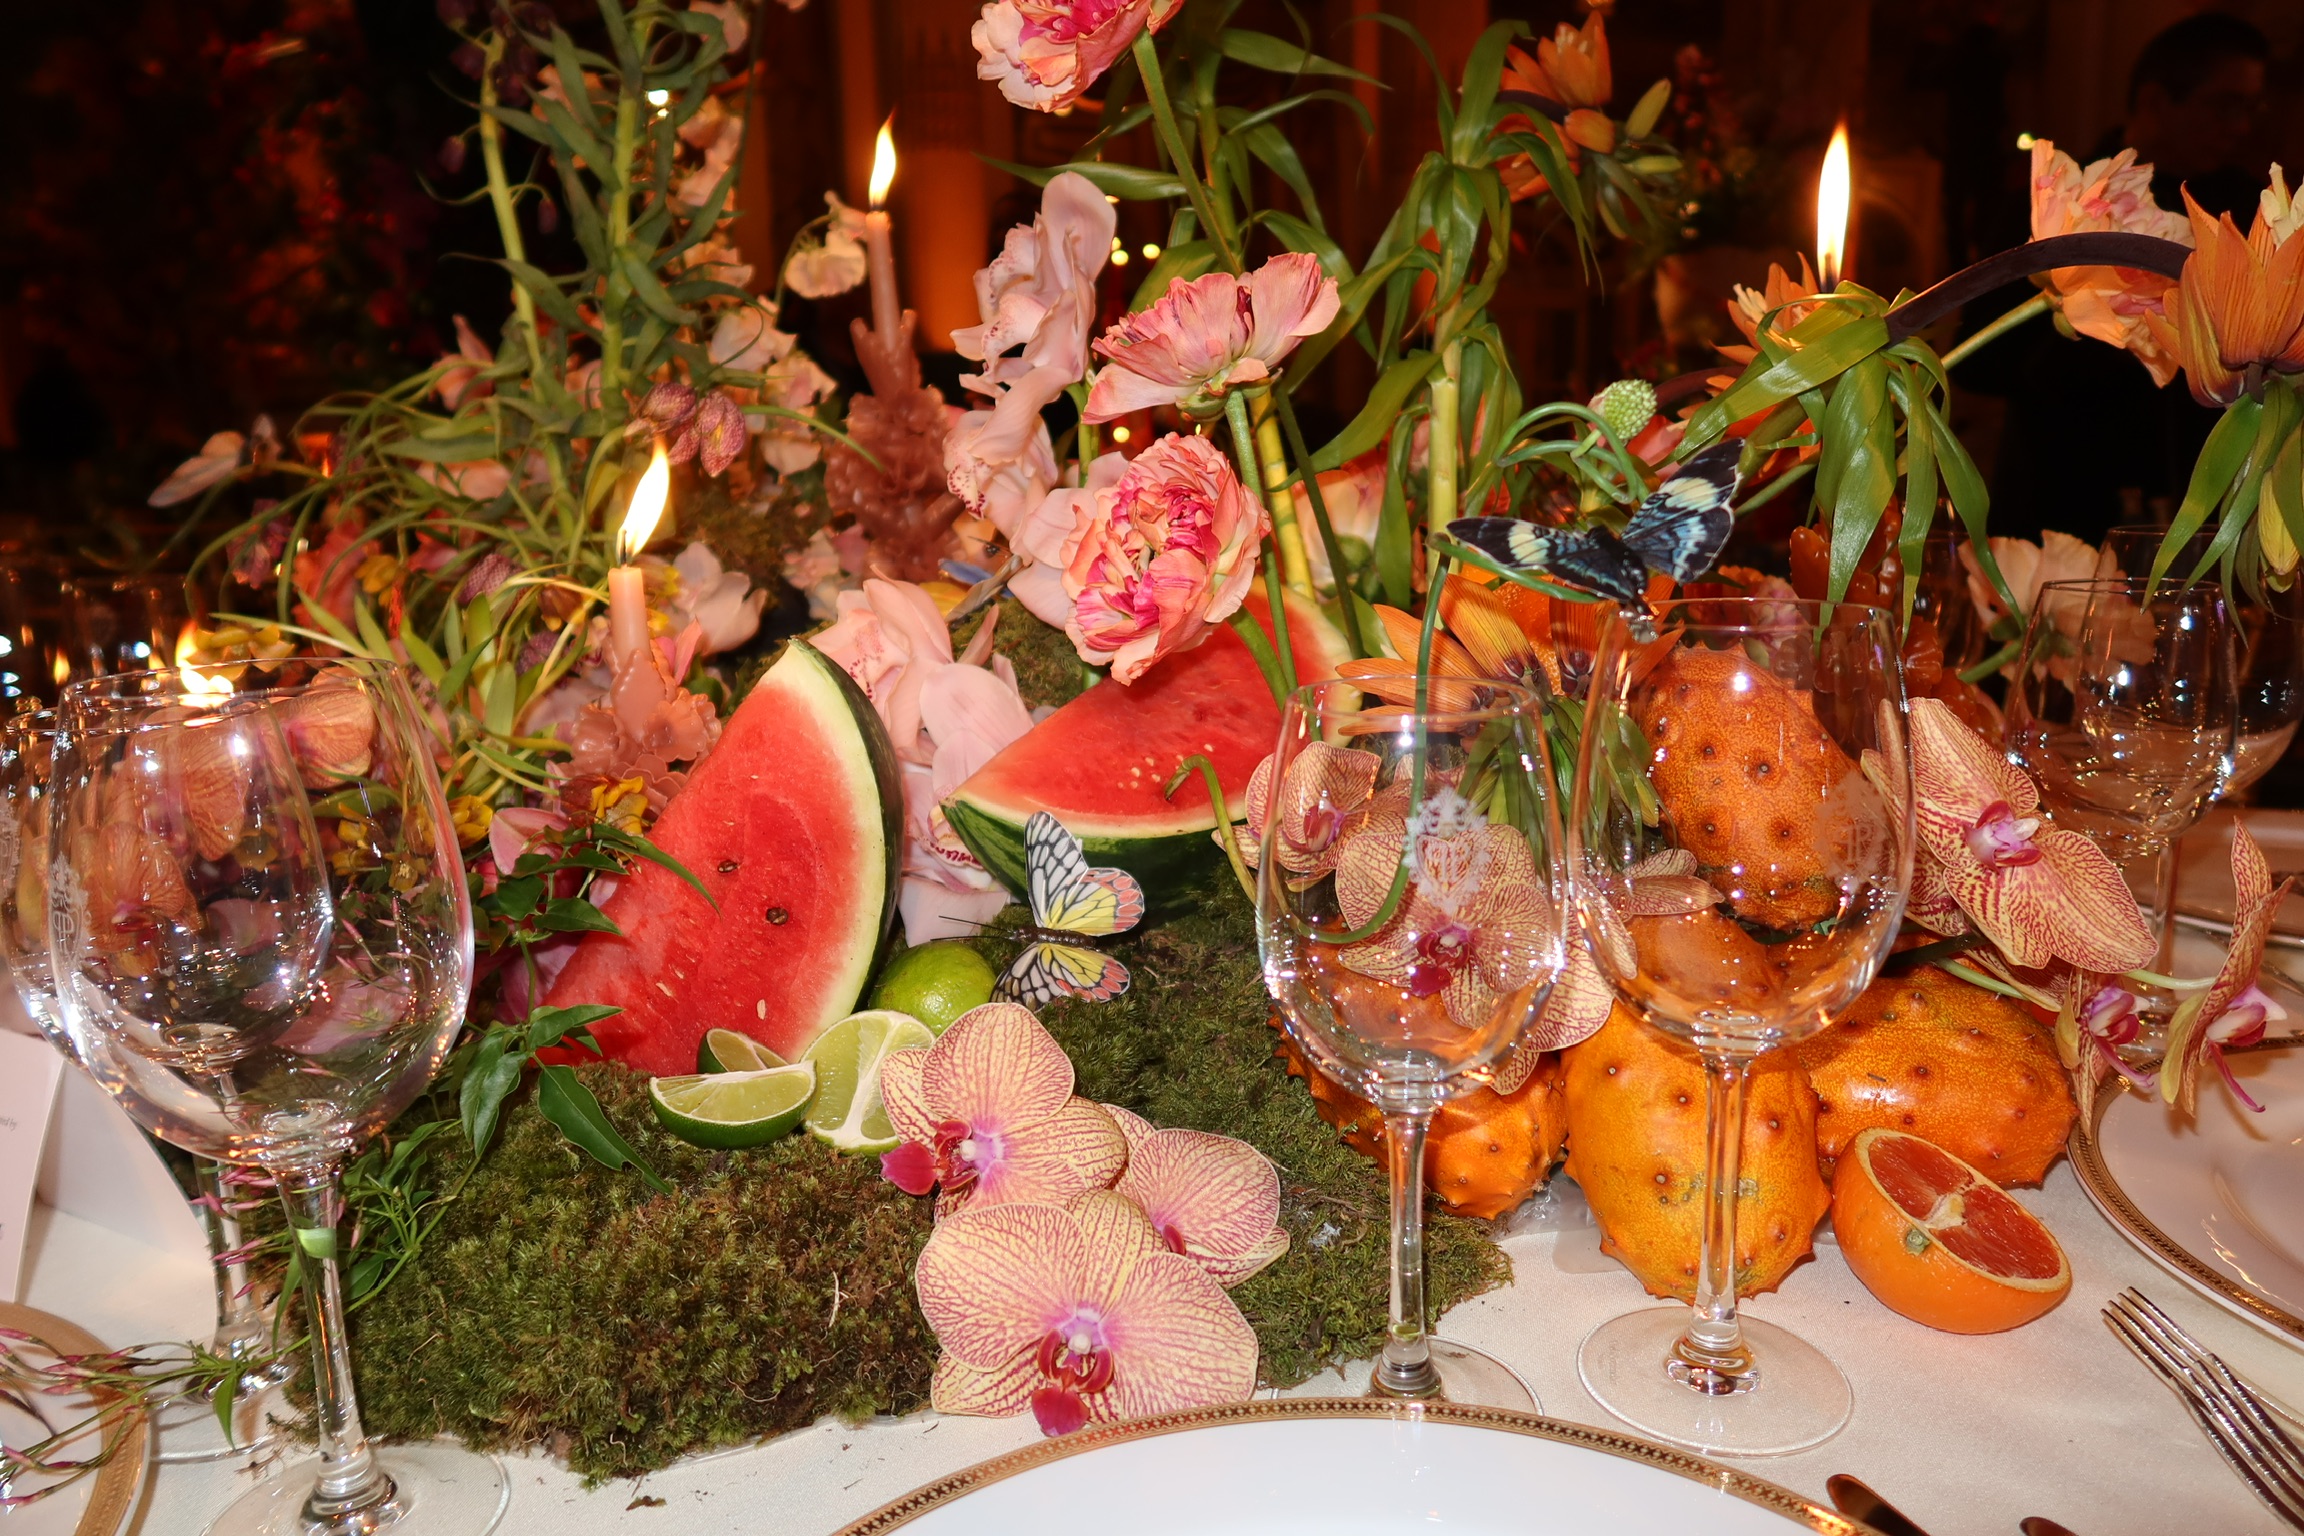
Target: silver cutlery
[1857, 1501]
[2235, 1422]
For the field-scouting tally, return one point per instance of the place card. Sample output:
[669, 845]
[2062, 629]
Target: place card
[29, 1071]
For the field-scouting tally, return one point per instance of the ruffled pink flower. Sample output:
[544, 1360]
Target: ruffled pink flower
[1080, 1313]
[1163, 554]
[1211, 1198]
[1204, 336]
[988, 1117]
[2233, 1009]
[2114, 195]
[1044, 53]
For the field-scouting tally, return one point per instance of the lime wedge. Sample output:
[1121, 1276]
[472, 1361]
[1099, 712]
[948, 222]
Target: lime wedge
[724, 1050]
[733, 1109]
[848, 1112]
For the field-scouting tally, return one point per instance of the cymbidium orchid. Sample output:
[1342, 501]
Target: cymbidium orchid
[988, 1117]
[2237, 313]
[2112, 304]
[1204, 336]
[1044, 53]
[1080, 1312]
[2037, 891]
[2231, 1012]
[1211, 1198]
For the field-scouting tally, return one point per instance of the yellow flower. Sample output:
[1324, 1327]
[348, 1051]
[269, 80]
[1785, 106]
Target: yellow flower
[472, 816]
[377, 573]
[621, 805]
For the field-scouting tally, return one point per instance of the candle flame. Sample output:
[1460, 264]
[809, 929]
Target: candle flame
[61, 669]
[187, 644]
[646, 508]
[1834, 190]
[883, 162]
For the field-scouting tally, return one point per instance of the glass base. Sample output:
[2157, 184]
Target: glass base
[1796, 1397]
[1466, 1376]
[441, 1489]
[185, 1427]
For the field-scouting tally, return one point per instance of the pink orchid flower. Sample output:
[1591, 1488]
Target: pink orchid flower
[1204, 336]
[1211, 1198]
[2114, 195]
[217, 461]
[988, 1117]
[2037, 891]
[2233, 1010]
[1159, 556]
[1323, 796]
[1080, 1313]
[2108, 1019]
[1044, 53]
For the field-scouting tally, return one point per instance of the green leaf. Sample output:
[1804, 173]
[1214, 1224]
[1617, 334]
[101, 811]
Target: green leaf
[1261, 50]
[550, 297]
[1483, 73]
[1133, 182]
[420, 652]
[563, 1099]
[641, 848]
[371, 633]
[550, 1026]
[1860, 434]
[1391, 391]
[1645, 112]
[500, 696]
[489, 1080]
[573, 914]
[650, 292]
[1395, 540]
[1271, 146]
[1811, 365]
[517, 896]
[2221, 460]
[227, 1395]
[465, 449]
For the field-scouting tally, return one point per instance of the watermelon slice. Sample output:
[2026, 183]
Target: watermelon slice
[794, 824]
[1099, 763]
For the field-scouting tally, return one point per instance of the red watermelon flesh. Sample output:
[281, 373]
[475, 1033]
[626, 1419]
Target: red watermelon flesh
[794, 825]
[1099, 764]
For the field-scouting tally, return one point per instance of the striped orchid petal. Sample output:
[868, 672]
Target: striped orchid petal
[1211, 1198]
[2233, 1010]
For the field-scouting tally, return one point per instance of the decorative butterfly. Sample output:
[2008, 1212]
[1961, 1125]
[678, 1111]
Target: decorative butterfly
[1679, 531]
[1070, 901]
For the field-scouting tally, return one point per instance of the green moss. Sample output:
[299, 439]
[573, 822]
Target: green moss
[1048, 670]
[559, 1304]
[753, 536]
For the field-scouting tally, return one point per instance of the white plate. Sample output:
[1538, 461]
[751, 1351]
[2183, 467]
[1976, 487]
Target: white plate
[96, 1505]
[2218, 1200]
[1349, 1467]
[2204, 879]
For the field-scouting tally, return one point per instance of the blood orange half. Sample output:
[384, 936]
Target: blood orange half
[1940, 1243]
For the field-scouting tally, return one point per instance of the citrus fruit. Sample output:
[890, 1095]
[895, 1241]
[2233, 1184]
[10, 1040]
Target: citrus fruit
[724, 1050]
[935, 983]
[848, 1112]
[1940, 1243]
[1636, 1146]
[733, 1109]
[1933, 1056]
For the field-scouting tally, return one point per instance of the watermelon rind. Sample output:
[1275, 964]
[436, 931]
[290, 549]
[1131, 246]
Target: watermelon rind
[874, 771]
[1163, 850]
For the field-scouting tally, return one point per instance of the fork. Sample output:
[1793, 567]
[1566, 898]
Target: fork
[2227, 1412]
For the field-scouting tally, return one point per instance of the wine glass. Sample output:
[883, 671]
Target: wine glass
[1741, 841]
[2125, 709]
[185, 1426]
[127, 623]
[262, 943]
[1410, 911]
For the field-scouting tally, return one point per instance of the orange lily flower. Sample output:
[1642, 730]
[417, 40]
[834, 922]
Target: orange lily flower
[2238, 310]
[1780, 293]
[1571, 66]
[1501, 631]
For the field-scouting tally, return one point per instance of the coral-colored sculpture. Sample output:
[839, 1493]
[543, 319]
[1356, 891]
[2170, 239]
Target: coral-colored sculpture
[902, 505]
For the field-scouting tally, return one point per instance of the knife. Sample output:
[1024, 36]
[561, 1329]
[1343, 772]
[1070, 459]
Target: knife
[1857, 1502]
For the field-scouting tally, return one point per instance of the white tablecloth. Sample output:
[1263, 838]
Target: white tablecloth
[1967, 1435]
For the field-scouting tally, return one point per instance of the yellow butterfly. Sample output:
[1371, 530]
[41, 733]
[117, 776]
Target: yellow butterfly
[1069, 901]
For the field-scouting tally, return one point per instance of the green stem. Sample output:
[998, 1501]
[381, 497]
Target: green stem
[1260, 651]
[1337, 572]
[2034, 305]
[1224, 833]
[1992, 663]
[1286, 531]
[500, 198]
[1244, 451]
[619, 179]
[1440, 488]
[1172, 139]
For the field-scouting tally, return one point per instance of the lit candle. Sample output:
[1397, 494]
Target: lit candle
[627, 594]
[887, 316]
[1834, 194]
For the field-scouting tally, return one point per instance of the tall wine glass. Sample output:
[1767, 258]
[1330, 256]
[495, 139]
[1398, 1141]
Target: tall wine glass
[2125, 709]
[127, 623]
[185, 1427]
[1741, 841]
[262, 942]
[1410, 908]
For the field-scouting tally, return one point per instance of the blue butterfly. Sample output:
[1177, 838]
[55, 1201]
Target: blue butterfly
[1678, 531]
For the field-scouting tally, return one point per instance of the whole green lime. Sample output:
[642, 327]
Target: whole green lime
[935, 983]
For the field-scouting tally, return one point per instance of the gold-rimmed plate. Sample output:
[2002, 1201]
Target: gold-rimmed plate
[1324, 1466]
[96, 1505]
[2217, 1200]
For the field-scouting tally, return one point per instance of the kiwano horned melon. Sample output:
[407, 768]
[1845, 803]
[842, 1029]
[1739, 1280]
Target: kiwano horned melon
[1099, 764]
[1755, 788]
[1636, 1147]
[794, 824]
[1487, 1151]
[1929, 1054]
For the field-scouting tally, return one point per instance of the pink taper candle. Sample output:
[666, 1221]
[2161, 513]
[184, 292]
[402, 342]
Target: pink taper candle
[627, 592]
[879, 251]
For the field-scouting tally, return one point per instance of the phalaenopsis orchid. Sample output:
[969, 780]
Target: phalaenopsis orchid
[2231, 1012]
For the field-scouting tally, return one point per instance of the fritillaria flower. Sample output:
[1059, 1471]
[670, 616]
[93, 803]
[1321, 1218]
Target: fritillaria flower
[2237, 313]
[2038, 892]
[989, 1118]
[2232, 1012]
[1212, 1199]
[1571, 66]
[1204, 336]
[2114, 195]
[1781, 296]
[1044, 53]
[1322, 796]
[1081, 1313]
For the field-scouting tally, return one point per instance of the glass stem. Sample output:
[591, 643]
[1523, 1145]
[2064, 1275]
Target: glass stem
[352, 1492]
[240, 1326]
[1406, 1369]
[1711, 1356]
[2164, 905]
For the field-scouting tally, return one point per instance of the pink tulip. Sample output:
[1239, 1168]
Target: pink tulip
[1044, 53]
[1161, 555]
[1206, 335]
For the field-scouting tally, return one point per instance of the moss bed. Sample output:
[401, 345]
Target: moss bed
[562, 1305]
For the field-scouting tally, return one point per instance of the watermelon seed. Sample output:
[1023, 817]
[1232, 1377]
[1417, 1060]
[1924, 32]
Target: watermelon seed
[778, 916]
[727, 866]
